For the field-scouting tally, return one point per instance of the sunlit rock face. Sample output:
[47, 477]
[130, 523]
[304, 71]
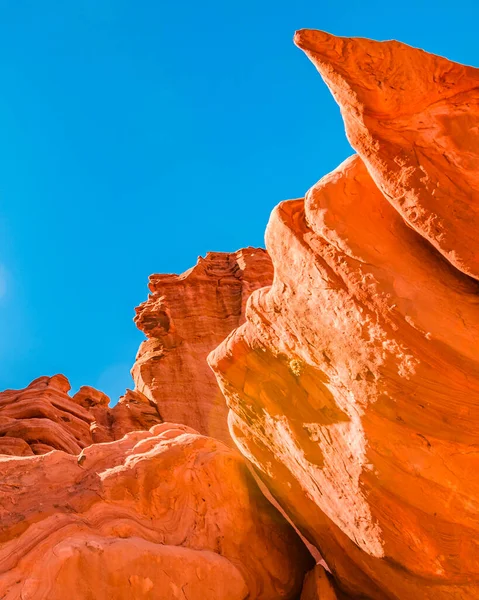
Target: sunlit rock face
[44, 417]
[165, 513]
[414, 119]
[353, 387]
[184, 318]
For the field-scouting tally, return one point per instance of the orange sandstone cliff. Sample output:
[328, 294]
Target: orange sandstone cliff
[413, 118]
[353, 387]
[185, 317]
[350, 382]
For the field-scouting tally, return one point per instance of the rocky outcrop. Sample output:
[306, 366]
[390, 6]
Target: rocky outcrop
[354, 385]
[413, 118]
[163, 513]
[185, 317]
[43, 417]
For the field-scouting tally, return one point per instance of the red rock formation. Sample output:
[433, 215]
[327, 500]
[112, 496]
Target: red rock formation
[43, 417]
[185, 317]
[414, 119]
[354, 385]
[161, 514]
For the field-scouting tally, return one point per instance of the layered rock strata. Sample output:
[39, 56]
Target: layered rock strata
[43, 417]
[162, 513]
[353, 387]
[184, 318]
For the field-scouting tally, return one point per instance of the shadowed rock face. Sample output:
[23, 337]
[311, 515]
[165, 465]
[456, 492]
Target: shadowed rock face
[353, 387]
[318, 586]
[43, 417]
[156, 514]
[184, 318]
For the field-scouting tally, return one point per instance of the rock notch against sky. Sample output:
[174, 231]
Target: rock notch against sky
[351, 380]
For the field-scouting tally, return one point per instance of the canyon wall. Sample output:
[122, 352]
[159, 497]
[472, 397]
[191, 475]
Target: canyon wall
[353, 387]
[108, 502]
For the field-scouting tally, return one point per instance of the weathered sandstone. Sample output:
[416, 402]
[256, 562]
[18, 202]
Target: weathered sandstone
[43, 417]
[414, 119]
[351, 381]
[353, 387]
[165, 513]
[184, 318]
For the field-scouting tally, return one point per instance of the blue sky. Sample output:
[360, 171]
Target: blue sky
[136, 136]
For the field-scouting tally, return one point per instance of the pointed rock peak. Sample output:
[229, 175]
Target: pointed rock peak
[383, 78]
[413, 118]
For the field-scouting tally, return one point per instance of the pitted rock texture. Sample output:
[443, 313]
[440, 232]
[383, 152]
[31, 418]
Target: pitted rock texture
[165, 513]
[43, 417]
[353, 387]
[184, 318]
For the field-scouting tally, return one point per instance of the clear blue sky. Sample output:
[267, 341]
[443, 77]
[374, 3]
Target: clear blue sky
[135, 136]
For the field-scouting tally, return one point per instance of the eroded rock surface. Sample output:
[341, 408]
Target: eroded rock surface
[43, 417]
[414, 119]
[165, 513]
[353, 387]
[185, 317]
